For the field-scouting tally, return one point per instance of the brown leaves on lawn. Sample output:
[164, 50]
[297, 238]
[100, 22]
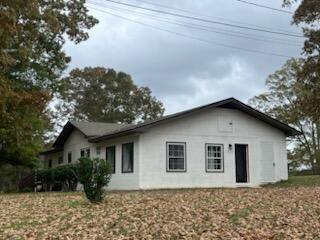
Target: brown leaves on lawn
[264, 213]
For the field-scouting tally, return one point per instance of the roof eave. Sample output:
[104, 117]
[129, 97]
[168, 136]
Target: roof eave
[113, 135]
[289, 131]
[293, 133]
[69, 126]
[50, 151]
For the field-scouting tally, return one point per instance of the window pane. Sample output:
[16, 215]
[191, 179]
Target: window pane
[210, 163]
[210, 153]
[60, 160]
[111, 156]
[69, 157]
[127, 157]
[85, 152]
[88, 152]
[176, 150]
[176, 156]
[214, 157]
[176, 163]
[98, 150]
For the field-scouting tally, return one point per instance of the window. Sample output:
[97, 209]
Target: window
[111, 156]
[69, 157]
[88, 152]
[98, 150]
[214, 157]
[127, 158]
[85, 152]
[60, 160]
[176, 157]
[82, 153]
[50, 163]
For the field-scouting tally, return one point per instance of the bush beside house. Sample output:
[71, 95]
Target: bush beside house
[94, 175]
[62, 177]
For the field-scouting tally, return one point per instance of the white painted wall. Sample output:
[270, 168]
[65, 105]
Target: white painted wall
[77, 141]
[212, 126]
[221, 126]
[119, 180]
[54, 157]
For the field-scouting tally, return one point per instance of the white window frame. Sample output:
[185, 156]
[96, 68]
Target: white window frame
[122, 157]
[85, 152]
[98, 150]
[184, 157]
[214, 158]
[115, 157]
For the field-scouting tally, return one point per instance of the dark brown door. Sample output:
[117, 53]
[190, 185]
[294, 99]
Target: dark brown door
[241, 163]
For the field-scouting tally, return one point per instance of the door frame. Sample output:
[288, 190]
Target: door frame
[247, 163]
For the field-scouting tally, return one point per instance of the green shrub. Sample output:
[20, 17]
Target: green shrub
[306, 172]
[94, 174]
[46, 177]
[64, 175]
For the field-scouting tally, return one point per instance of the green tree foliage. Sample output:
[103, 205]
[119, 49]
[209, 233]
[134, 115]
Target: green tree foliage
[99, 94]
[32, 36]
[20, 125]
[94, 175]
[283, 101]
[308, 15]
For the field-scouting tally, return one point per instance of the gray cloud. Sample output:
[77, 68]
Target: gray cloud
[184, 72]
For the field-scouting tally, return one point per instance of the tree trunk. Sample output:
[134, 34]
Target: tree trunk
[317, 147]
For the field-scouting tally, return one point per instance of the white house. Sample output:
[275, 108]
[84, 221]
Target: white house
[222, 144]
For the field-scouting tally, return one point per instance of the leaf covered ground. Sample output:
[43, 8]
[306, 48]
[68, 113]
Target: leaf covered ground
[262, 213]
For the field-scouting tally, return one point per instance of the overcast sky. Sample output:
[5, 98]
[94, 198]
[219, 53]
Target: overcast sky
[181, 71]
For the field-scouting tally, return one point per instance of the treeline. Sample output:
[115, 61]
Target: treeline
[32, 61]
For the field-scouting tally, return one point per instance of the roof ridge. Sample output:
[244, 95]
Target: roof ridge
[84, 121]
[290, 131]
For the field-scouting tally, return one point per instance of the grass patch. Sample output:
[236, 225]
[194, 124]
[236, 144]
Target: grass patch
[76, 203]
[242, 213]
[22, 224]
[298, 181]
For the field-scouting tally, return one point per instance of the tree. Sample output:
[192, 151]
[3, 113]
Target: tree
[33, 33]
[308, 15]
[283, 101]
[103, 95]
[20, 121]
[32, 36]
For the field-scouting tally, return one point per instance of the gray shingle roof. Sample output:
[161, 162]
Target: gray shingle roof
[231, 103]
[97, 131]
[91, 129]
